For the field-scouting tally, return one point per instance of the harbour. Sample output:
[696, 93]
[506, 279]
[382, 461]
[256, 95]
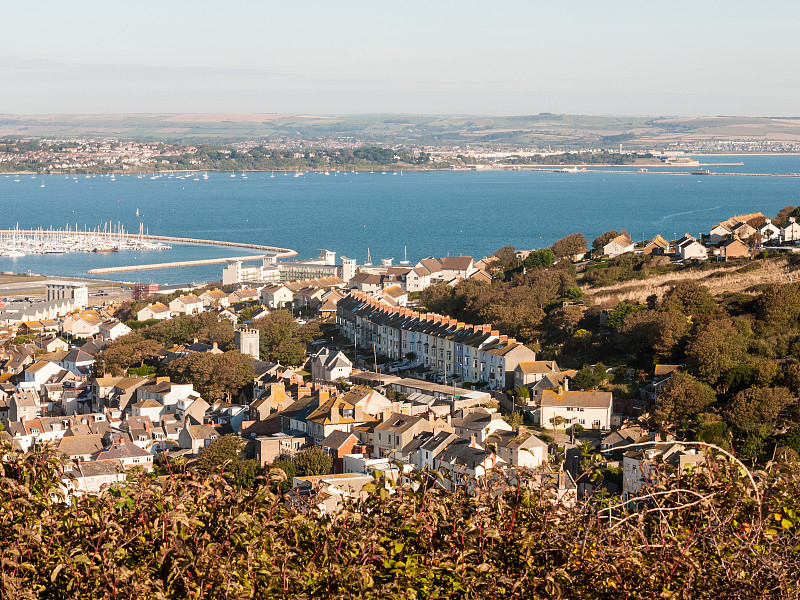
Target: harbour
[429, 212]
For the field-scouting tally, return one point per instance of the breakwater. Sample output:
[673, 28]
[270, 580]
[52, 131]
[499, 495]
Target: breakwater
[170, 265]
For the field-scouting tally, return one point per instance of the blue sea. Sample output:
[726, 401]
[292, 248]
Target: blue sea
[431, 213]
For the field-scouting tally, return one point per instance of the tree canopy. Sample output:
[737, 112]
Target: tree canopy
[214, 376]
[682, 398]
[569, 246]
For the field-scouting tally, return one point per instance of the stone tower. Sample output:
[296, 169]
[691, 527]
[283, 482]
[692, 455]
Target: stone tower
[246, 341]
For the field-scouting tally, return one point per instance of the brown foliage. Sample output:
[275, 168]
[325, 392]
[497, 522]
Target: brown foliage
[713, 535]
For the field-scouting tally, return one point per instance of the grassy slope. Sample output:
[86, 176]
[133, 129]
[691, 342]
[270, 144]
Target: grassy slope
[736, 276]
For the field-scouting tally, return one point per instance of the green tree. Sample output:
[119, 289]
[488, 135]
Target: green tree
[710, 428]
[778, 305]
[214, 376]
[585, 379]
[783, 216]
[688, 297]
[789, 376]
[223, 455]
[219, 452]
[289, 352]
[715, 348]
[653, 334]
[736, 379]
[286, 472]
[506, 258]
[274, 328]
[312, 461]
[682, 398]
[515, 419]
[754, 408]
[438, 298]
[569, 246]
[602, 240]
[560, 324]
[539, 258]
[617, 316]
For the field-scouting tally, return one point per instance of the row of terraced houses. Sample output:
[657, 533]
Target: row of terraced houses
[474, 353]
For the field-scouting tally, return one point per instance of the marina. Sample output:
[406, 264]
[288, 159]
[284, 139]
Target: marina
[111, 238]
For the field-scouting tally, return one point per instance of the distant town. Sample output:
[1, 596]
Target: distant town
[110, 155]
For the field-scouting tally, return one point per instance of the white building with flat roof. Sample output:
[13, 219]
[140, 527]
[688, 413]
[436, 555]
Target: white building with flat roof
[77, 292]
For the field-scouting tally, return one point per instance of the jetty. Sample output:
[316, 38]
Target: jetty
[172, 265]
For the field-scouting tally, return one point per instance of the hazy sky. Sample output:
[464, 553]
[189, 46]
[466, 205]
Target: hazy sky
[619, 57]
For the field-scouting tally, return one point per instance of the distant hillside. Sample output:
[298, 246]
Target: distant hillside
[541, 131]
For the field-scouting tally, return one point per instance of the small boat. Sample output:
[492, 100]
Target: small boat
[104, 249]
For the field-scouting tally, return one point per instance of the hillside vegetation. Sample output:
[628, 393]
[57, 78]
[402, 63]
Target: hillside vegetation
[714, 534]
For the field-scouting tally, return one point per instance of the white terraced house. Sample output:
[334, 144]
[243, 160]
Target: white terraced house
[449, 348]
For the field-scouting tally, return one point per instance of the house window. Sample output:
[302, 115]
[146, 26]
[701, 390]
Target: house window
[582, 421]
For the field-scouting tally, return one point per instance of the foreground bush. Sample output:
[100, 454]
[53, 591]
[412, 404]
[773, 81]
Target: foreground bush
[713, 535]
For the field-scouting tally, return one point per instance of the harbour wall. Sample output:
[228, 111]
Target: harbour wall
[170, 265]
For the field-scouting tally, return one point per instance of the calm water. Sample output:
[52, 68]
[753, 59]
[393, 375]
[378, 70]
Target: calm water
[432, 213]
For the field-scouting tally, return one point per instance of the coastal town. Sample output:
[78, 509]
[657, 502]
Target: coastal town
[344, 301]
[115, 156]
[383, 390]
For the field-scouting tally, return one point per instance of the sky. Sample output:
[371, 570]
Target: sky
[686, 58]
